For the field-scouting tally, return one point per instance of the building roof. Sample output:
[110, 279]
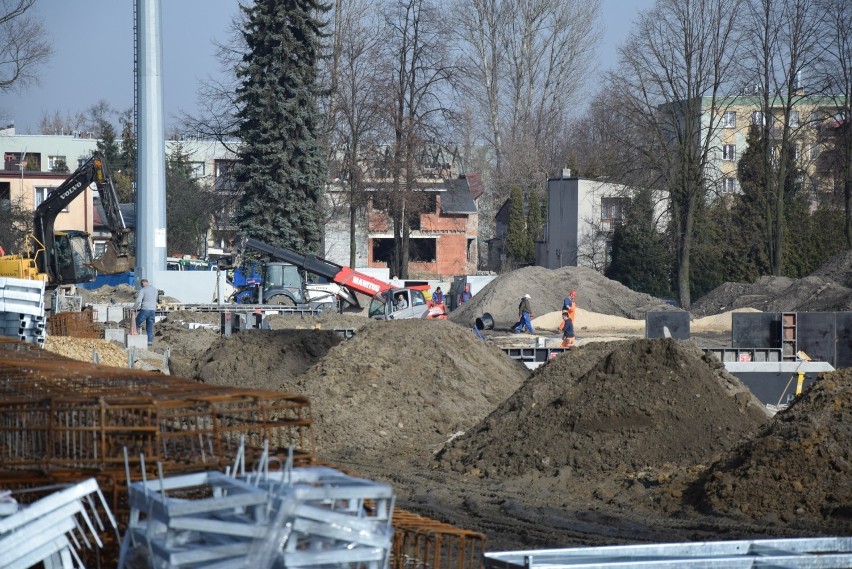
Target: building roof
[474, 181]
[458, 199]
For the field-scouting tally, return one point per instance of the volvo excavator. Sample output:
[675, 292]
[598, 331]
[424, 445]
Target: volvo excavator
[384, 303]
[65, 257]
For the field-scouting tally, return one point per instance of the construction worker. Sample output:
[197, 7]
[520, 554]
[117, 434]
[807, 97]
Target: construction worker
[524, 315]
[146, 303]
[569, 310]
[438, 296]
[465, 294]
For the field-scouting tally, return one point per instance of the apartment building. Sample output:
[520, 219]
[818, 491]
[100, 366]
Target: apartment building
[812, 122]
[35, 165]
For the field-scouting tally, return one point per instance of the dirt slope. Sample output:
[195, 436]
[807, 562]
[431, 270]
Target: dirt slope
[837, 269]
[548, 288]
[799, 470]
[409, 383]
[777, 294]
[612, 408]
[262, 358]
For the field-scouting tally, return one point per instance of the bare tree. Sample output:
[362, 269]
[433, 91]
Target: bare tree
[355, 94]
[784, 47]
[57, 123]
[673, 69]
[416, 72]
[23, 44]
[835, 73]
[525, 58]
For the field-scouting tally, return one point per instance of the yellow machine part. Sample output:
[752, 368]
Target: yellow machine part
[20, 267]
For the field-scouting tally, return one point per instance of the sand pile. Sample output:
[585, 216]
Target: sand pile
[81, 349]
[722, 322]
[548, 288]
[612, 408]
[799, 469]
[589, 321]
[403, 384]
[262, 358]
[777, 294]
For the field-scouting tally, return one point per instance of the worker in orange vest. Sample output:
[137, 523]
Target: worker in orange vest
[569, 310]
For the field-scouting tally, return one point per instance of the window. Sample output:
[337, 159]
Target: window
[794, 118]
[100, 248]
[41, 193]
[612, 211]
[81, 161]
[729, 119]
[814, 151]
[12, 161]
[57, 164]
[224, 170]
[796, 153]
[760, 118]
[729, 185]
[5, 196]
[729, 152]
[196, 169]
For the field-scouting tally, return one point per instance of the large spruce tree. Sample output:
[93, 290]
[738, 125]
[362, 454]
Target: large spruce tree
[282, 172]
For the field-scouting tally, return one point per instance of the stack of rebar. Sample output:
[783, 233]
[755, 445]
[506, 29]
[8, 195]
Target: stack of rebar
[62, 420]
[74, 324]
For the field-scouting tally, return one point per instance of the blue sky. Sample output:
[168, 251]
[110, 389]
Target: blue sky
[93, 59]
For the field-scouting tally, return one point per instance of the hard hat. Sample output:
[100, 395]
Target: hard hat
[526, 296]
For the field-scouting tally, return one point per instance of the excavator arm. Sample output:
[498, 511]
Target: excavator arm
[56, 255]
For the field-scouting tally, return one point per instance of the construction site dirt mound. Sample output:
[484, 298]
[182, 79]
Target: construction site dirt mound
[776, 294]
[403, 385]
[328, 320]
[262, 359]
[588, 321]
[799, 470]
[610, 409]
[548, 289]
[108, 294]
[837, 269]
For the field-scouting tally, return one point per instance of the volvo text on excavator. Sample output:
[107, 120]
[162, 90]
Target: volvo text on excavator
[65, 257]
[383, 305]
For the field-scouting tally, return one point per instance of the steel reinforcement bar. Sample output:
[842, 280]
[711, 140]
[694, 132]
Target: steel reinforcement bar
[62, 420]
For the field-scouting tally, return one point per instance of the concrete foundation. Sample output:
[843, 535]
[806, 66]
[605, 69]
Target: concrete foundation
[114, 335]
[140, 341]
[114, 314]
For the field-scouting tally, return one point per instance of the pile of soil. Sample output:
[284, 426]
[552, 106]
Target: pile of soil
[837, 269]
[799, 469]
[262, 358]
[548, 289]
[185, 345]
[109, 294]
[777, 294]
[404, 384]
[586, 320]
[610, 408]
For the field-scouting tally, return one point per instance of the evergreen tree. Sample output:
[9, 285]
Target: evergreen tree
[640, 258]
[60, 167]
[188, 206]
[534, 218]
[107, 145]
[282, 173]
[518, 242]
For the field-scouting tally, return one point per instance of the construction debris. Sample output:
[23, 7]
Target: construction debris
[47, 530]
[74, 324]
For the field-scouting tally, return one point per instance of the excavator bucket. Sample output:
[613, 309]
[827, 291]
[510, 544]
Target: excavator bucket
[112, 262]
